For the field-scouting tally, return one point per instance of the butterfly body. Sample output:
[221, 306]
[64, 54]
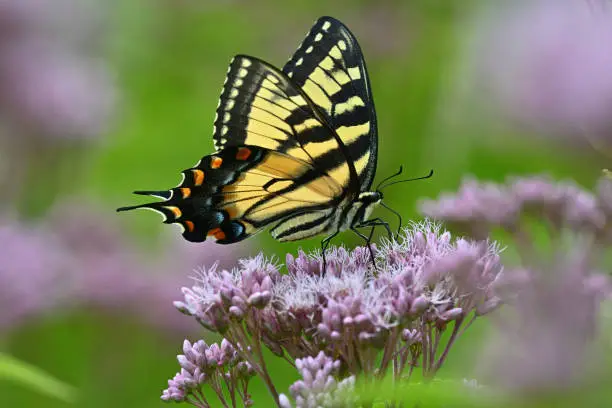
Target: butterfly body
[296, 149]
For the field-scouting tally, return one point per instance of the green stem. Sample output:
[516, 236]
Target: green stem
[450, 342]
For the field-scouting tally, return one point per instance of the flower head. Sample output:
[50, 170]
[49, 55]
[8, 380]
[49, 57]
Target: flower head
[203, 364]
[221, 296]
[178, 387]
[474, 208]
[561, 203]
[425, 277]
[319, 386]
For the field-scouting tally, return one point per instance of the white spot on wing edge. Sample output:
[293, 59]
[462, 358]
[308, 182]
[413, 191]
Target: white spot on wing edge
[342, 45]
[226, 117]
[182, 179]
[246, 63]
[299, 62]
[309, 49]
[318, 37]
[326, 26]
[163, 197]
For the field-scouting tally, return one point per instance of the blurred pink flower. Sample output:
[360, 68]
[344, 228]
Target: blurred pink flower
[547, 338]
[33, 269]
[548, 64]
[51, 83]
[80, 256]
[68, 21]
[49, 91]
[546, 335]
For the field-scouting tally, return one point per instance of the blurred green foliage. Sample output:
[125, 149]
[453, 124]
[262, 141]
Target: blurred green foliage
[171, 58]
[34, 378]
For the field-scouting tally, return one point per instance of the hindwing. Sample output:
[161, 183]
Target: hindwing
[236, 192]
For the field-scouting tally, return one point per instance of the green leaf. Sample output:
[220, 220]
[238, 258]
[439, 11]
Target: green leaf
[35, 378]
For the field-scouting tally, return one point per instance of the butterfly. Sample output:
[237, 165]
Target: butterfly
[296, 150]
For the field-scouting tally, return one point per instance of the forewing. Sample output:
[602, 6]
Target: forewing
[260, 106]
[329, 67]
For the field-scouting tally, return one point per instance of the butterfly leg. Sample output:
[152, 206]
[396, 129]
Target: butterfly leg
[399, 217]
[367, 239]
[324, 245]
[378, 221]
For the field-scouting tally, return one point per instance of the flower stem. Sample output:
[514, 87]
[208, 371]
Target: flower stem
[242, 337]
[264, 370]
[389, 352]
[450, 342]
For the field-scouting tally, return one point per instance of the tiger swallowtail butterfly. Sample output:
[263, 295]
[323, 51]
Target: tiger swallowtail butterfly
[296, 149]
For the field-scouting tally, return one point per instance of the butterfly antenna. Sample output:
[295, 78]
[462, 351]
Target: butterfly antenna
[401, 168]
[430, 174]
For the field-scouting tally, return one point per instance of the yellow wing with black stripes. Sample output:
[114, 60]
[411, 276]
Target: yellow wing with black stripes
[294, 147]
[260, 106]
[237, 191]
[322, 93]
[330, 68]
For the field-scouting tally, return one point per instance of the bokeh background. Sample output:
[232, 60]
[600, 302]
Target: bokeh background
[99, 98]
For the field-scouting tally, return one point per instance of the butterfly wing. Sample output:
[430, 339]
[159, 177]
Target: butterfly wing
[234, 193]
[260, 106]
[289, 151]
[330, 68]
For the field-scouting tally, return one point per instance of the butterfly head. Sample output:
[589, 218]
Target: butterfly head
[370, 198]
[365, 204]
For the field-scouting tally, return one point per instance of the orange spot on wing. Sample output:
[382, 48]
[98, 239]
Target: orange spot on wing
[190, 226]
[232, 211]
[175, 210]
[198, 177]
[216, 162]
[217, 233]
[186, 192]
[243, 153]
